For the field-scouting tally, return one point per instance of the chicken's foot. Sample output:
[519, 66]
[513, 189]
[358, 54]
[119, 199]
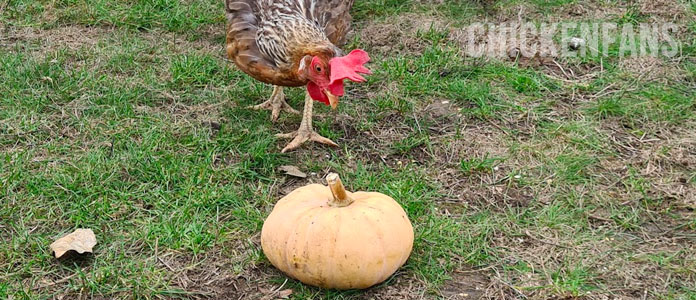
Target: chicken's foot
[305, 132]
[275, 104]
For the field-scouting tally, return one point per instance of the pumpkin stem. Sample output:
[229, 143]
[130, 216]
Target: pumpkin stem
[340, 197]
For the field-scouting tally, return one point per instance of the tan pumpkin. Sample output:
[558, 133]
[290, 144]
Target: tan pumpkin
[331, 238]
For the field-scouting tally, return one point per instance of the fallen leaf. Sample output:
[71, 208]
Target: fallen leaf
[292, 171]
[81, 241]
[285, 294]
[275, 294]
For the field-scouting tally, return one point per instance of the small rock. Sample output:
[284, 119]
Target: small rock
[513, 53]
[575, 43]
[212, 124]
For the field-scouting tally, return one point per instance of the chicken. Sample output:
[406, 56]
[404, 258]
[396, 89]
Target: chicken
[291, 43]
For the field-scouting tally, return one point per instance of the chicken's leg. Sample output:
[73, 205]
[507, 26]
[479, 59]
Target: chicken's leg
[276, 103]
[305, 131]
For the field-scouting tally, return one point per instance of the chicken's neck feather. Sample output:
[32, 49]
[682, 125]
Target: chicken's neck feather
[286, 35]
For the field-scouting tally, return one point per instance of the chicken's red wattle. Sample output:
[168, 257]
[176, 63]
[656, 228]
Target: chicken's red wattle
[316, 93]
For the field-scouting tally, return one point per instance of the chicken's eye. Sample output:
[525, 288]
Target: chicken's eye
[318, 68]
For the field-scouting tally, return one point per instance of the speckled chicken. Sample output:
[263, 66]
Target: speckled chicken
[290, 43]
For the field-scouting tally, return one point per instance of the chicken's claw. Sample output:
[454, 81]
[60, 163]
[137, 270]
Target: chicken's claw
[301, 136]
[275, 104]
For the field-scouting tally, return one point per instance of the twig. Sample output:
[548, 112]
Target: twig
[527, 233]
[604, 89]
[281, 286]
[478, 270]
[500, 128]
[561, 68]
[510, 286]
[166, 264]
[64, 279]
[599, 218]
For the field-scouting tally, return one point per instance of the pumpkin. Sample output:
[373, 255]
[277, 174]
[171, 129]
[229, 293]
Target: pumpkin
[328, 237]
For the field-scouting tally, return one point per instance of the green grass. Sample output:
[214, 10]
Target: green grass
[169, 15]
[475, 164]
[543, 187]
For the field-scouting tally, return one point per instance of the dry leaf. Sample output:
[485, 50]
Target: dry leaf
[285, 294]
[81, 241]
[275, 294]
[292, 171]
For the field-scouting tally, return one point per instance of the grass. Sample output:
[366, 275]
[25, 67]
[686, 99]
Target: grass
[124, 117]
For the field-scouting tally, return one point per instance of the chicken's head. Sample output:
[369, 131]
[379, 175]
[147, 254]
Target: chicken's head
[326, 76]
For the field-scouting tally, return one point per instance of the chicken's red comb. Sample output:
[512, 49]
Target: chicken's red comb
[347, 67]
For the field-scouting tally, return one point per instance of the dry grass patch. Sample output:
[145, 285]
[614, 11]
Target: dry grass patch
[649, 68]
[399, 35]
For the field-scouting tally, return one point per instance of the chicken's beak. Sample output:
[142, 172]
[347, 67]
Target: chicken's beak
[333, 99]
